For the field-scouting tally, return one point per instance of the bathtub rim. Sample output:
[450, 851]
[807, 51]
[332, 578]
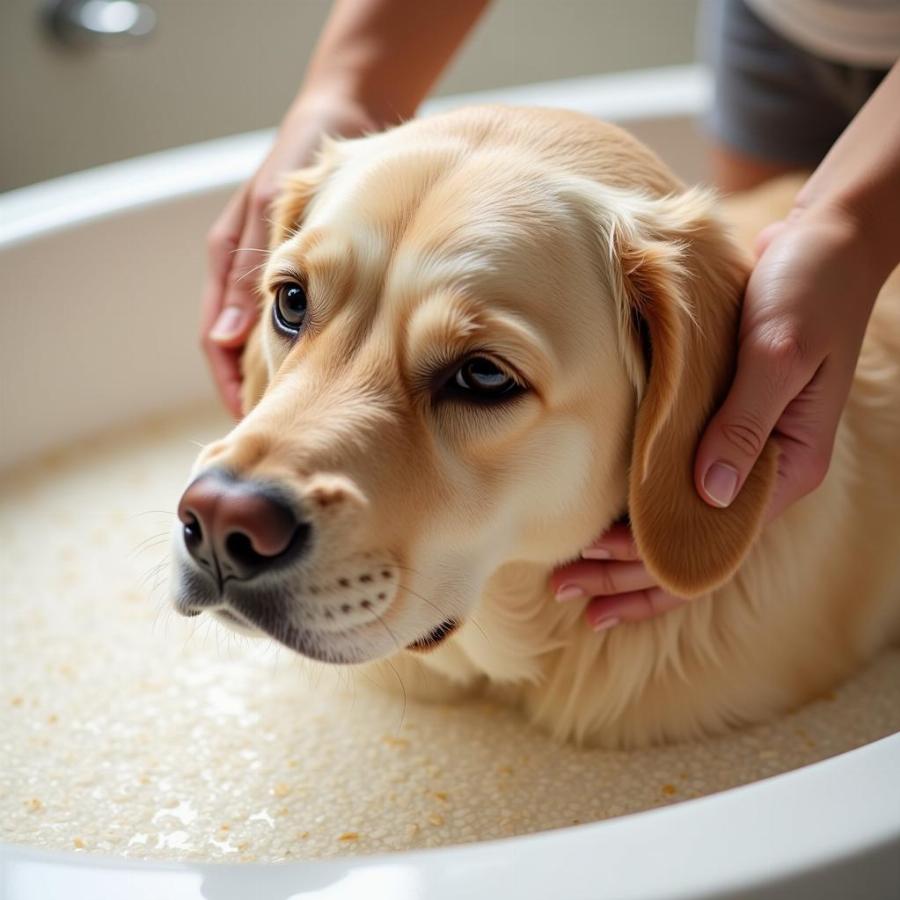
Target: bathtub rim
[103, 191]
[846, 820]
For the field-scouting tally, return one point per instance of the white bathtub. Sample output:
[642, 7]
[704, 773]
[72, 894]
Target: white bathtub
[116, 255]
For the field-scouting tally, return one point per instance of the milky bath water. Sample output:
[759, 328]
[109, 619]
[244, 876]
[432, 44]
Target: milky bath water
[128, 730]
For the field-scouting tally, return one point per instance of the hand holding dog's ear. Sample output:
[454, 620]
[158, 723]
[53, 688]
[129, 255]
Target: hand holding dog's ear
[804, 316]
[805, 310]
[676, 290]
[239, 238]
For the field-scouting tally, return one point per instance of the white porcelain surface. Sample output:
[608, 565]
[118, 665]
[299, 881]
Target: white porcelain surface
[100, 275]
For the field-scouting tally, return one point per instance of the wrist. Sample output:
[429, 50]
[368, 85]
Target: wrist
[354, 94]
[330, 112]
[869, 240]
[844, 229]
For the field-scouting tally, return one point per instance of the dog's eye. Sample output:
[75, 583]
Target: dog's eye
[479, 378]
[290, 306]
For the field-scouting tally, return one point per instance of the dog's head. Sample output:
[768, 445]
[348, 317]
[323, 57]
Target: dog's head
[483, 338]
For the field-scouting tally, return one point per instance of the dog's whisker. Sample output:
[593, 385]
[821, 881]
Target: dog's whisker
[469, 617]
[440, 612]
[403, 694]
[162, 609]
[162, 578]
[249, 272]
[393, 668]
[419, 596]
[147, 542]
[151, 573]
[266, 251]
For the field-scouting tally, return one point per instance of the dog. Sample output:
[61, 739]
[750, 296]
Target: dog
[484, 337]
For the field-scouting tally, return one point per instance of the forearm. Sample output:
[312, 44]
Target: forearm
[384, 55]
[860, 178]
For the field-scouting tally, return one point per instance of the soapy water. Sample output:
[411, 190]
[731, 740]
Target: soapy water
[128, 730]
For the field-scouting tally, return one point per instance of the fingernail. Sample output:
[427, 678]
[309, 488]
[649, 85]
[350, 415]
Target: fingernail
[720, 483]
[606, 622]
[230, 322]
[569, 592]
[596, 553]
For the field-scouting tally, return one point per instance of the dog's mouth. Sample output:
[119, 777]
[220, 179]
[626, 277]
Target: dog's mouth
[236, 622]
[435, 637]
[309, 643]
[350, 629]
[304, 641]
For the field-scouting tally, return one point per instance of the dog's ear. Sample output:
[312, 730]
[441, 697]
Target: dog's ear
[298, 188]
[287, 213]
[679, 280]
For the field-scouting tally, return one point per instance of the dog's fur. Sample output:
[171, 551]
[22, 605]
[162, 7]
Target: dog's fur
[564, 250]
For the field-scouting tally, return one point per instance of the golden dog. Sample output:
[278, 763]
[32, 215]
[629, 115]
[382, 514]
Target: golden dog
[486, 336]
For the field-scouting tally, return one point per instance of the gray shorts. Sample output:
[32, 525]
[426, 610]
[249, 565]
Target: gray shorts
[773, 100]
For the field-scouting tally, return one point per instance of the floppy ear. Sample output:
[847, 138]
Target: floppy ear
[298, 188]
[288, 211]
[680, 286]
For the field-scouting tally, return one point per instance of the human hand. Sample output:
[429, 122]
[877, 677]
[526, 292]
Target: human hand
[611, 573]
[804, 316]
[805, 312]
[238, 240]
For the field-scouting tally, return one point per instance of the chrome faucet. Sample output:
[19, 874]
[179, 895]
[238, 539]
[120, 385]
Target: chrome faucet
[77, 23]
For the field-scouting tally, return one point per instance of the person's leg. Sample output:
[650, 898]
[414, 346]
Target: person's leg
[773, 111]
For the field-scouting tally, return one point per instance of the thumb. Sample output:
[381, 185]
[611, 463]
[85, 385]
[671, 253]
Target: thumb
[766, 236]
[764, 385]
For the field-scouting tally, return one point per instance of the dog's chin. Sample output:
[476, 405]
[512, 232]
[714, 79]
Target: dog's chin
[230, 620]
[350, 647]
[271, 611]
[338, 648]
[355, 646]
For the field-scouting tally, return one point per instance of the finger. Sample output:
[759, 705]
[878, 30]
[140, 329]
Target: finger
[770, 373]
[222, 239]
[766, 236]
[227, 334]
[805, 434]
[224, 364]
[240, 306]
[591, 579]
[603, 613]
[221, 242]
[615, 543]
[241, 299]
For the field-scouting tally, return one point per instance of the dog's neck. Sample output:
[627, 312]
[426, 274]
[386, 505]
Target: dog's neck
[513, 628]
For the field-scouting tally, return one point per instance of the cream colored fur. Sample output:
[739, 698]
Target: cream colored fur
[562, 248]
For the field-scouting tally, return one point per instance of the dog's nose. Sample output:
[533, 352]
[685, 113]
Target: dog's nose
[240, 525]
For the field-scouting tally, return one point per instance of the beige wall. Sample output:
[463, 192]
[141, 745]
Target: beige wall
[216, 67]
